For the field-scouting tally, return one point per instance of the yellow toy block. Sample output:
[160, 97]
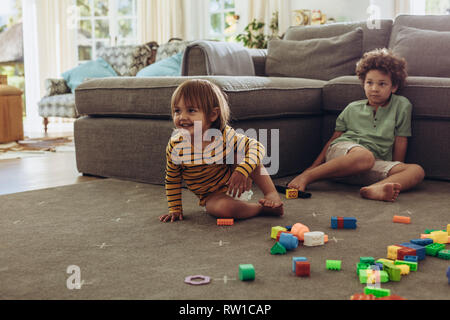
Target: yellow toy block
[448, 229]
[291, 193]
[404, 269]
[392, 252]
[439, 237]
[275, 231]
[385, 260]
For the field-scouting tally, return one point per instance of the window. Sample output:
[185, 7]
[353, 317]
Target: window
[437, 7]
[223, 20]
[104, 23]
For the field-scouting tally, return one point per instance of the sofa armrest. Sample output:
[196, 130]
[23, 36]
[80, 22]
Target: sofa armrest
[196, 60]
[54, 87]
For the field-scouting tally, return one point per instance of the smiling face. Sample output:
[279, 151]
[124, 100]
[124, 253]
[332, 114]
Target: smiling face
[378, 88]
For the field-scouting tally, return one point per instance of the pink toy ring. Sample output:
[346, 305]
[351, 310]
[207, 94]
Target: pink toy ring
[197, 280]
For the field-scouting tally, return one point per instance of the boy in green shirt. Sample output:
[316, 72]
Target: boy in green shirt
[369, 144]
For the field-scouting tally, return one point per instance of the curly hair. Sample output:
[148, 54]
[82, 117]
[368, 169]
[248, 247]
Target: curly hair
[385, 61]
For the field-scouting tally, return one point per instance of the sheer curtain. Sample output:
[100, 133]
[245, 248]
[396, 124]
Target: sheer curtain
[49, 46]
[160, 20]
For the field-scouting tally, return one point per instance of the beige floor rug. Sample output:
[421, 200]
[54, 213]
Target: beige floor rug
[36, 147]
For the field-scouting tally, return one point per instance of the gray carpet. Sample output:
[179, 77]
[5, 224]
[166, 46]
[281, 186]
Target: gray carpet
[110, 230]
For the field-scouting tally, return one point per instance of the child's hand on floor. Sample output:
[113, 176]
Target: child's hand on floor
[174, 216]
[237, 184]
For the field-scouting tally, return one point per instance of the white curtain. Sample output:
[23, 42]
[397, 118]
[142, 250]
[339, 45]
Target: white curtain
[160, 20]
[402, 7]
[262, 10]
[49, 45]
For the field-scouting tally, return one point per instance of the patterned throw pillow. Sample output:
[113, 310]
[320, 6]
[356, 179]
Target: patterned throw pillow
[56, 86]
[171, 48]
[126, 60]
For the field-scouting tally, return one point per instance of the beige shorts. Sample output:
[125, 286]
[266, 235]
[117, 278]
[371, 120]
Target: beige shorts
[378, 172]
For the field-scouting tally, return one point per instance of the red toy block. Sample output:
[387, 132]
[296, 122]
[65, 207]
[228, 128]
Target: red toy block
[340, 221]
[362, 296]
[302, 269]
[225, 222]
[405, 251]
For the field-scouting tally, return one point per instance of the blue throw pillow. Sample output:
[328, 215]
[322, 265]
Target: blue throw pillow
[169, 67]
[92, 69]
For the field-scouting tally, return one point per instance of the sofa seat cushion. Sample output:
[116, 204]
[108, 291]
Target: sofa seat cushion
[62, 105]
[249, 97]
[428, 95]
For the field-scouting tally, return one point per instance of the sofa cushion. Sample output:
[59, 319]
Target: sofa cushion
[372, 38]
[428, 95]
[92, 69]
[428, 22]
[426, 51]
[324, 58]
[126, 60]
[249, 97]
[61, 105]
[171, 48]
[168, 67]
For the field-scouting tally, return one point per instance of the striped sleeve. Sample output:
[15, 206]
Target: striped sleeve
[173, 181]
[250, 153]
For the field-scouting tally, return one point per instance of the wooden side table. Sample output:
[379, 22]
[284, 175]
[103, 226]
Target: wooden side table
[11, 123]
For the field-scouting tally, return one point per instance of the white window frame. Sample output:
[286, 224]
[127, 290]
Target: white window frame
[113, 18]
[419, 7]
[222, 11]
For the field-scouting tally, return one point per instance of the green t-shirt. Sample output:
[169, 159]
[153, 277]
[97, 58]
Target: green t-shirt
[375, 132]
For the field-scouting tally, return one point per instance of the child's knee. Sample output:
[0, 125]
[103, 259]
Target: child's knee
[419, 173]
[365, 160]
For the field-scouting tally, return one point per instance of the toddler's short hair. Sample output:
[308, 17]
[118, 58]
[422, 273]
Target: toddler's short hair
[206, 96]
[385, 61]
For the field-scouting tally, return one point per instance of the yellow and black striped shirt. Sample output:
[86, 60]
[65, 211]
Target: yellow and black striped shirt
[207, 171]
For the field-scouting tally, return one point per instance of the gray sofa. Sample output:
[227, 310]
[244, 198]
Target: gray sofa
[125, 122]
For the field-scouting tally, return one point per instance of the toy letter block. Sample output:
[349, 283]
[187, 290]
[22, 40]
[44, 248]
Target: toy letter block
[333, 264]
[302, 268]
[275, 231]
[291, 193]
[295, 259]
[434, 248]
[298, 230]
[377, 292]
[288, 241]
[444, 254]
[278, 249]
[401, 219]
[225, 222]
[246, 272]
[315, 238]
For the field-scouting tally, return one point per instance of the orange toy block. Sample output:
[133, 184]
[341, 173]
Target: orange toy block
[401, 219]
[299, 230]
[225, 222]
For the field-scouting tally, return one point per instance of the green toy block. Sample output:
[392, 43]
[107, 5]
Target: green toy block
[278, 249]
[377, 292]
[246, 272]
[361, 266]
[444, 254]
[363, 276]
[333, 264]
[275, 230]
[412, 265]
[367, 260]
[433, 249]
[393, 271]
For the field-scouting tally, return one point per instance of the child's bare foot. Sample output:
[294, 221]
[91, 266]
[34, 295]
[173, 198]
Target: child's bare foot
[271, 205]
[385, 192]
[298, 183]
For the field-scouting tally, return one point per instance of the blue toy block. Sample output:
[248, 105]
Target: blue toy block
[379, 265]
[334, 222]
[288, 228]
[295, 259]
[448, 275]
[349, 223]
[422, 242]
[411, 258]
[289, 241]
[420, 250]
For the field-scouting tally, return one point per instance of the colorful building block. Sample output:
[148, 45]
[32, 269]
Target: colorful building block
[393, 271]
[420, 250]
[333, 264]
[368, 260]
[373, 276]
[246, 272]
[404, 269]
[275, 231]
[401, 219]
[422, 242]
[288, 240]
[434, 248]
[299, 230]
[278, 249]
[343, 222]
[291, 193]
[295, 259]
[302, 268]
[314, 238]
[362, 296]
[379, 265]
[392, 252]
[225, 222]
[405, 251]
[412, 265]
[439, 236]
[444, 254]
[448, 274]
[411, 258]
[361, 266]
[279, 234]
[377, 292]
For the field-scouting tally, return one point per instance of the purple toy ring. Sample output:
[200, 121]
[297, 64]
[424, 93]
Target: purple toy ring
[197, 280]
